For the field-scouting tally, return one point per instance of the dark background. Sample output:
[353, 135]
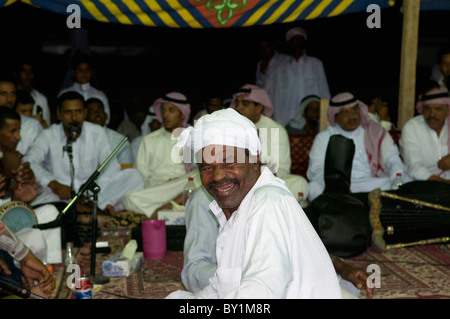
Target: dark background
[134, 65]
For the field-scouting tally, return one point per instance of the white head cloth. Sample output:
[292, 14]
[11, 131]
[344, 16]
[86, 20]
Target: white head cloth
[224, 127]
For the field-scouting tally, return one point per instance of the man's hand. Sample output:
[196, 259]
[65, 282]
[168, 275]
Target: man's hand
[4, 268]
[356, 276]
[444, 163]
[34, 270]
[24, 174]
[63, 191]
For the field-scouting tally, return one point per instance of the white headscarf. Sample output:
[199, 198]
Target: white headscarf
[224, 127]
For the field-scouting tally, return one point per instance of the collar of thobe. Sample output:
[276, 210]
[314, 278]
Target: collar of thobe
[83, 87]
[63, 136]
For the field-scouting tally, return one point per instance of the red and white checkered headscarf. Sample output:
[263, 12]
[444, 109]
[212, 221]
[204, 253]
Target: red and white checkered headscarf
[436, 96]
[374, 132]
[255, 94]
[177, 99]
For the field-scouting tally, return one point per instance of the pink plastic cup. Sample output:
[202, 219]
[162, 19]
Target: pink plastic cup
[154, 238]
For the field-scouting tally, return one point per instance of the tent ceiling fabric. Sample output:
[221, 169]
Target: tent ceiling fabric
[205, 13]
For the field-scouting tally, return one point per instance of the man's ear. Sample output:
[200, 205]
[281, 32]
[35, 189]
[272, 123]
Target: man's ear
[259, 108]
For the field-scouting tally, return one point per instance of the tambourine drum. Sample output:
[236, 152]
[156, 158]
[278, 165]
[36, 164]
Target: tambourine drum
[17, 215]
[401, 218]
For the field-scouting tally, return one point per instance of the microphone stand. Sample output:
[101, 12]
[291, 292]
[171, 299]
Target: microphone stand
[99, 279]
[95, 189]
[83, 188]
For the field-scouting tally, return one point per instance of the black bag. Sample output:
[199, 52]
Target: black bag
[341, 219]
[342, 222]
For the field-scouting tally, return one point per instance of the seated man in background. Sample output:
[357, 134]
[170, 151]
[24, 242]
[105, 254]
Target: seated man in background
[266, 247]
[25, 74]
[62, 170]
[97, 115]
[376, 159]
[81, 69]
[164, 178]
[18, 184]
[30, 127]
[213, 101]
[254, 103]
[425, 142]
[307, 119]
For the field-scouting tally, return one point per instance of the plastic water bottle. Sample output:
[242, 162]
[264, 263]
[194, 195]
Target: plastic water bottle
[188, 189]
[301, 200]
[397, 182]
[70, 256]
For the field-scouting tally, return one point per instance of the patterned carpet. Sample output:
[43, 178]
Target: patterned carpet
[421, 272]
[406, 273]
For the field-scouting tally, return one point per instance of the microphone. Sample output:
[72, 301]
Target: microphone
[74, 129]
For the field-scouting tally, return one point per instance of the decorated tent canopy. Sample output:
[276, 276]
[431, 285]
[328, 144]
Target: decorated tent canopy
[204, 13]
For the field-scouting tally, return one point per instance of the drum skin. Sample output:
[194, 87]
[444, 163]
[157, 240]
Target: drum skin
[17, 215]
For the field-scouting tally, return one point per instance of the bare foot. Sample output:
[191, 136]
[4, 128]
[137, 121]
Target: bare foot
[110, 210]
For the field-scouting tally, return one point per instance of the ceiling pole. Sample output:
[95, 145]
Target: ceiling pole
[408, 61]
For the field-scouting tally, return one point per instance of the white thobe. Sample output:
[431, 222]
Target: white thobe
[88, 91]
[268, 249]
[202, 229]
[90, 150]
[41, 100]
[124, 155]
[29, 130]
[361, 179]
[164, 178]
[276, 153]
[295, 80]
[421, 149]
[267, 80]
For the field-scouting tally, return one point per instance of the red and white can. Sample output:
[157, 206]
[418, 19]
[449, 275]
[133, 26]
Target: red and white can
[83, 288]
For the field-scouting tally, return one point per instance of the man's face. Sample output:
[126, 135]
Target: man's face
[227, 175]
[25, 109]
[82, 73]
[7, 94]
[349, 118]
[249, 109]
[72, 113]
[312, 111]
[297, 42]
[444, 65]
[172, 116]
[26, 75]
[10, 135]
[213, 104]
[434, 115]
[95, 113]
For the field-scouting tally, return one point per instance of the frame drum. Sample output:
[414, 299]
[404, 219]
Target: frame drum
[17, 215]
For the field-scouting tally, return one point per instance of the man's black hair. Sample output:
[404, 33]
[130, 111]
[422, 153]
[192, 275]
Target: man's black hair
[7, 113]
[69, 95]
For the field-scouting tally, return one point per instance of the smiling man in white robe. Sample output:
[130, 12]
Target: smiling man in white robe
[266, 247]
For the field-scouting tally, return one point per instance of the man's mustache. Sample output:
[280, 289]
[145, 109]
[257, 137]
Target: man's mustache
[432, 118]
[224, 181]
